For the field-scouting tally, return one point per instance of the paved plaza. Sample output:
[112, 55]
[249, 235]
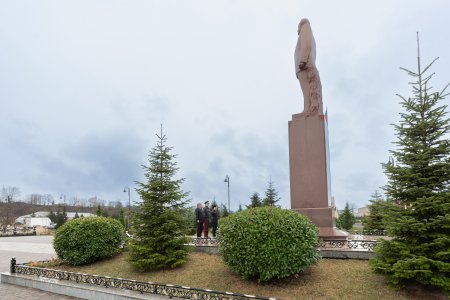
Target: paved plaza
[24, 249]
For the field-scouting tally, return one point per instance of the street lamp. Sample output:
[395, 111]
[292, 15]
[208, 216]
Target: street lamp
[129, 199]
[63, 196]
[227, 180]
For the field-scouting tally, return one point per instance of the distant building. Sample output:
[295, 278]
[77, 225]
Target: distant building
[37, 221]
[334, 211]
[71, 215]
[44, 215]
[362, 212]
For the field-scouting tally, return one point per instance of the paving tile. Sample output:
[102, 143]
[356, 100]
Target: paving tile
[24, 249]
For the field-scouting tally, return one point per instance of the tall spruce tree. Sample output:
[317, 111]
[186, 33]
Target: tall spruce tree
[158, 228]
[271, 197]
[418, 183]
[255, 201]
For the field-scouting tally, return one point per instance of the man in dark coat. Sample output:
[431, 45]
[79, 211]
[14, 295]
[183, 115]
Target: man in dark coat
[207, 215]
[199, 219]
[214, 219]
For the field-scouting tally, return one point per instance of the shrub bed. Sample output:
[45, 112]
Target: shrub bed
[86, 240]
[268, 242]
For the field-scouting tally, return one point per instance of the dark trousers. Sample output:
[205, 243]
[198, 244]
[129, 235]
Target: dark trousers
[199, 229]
[205, 228]
[214, 228]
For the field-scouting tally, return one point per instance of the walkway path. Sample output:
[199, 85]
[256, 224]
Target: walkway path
[24, 249]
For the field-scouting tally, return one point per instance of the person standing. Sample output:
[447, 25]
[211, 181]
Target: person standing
[214, 219]
[207, 215]
[199, 219]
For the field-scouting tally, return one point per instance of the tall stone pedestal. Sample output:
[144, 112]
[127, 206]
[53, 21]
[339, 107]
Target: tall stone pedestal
[310, 173]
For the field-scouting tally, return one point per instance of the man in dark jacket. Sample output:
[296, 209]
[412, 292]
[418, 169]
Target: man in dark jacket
[207, 215]
[214, 219]
[199, 219]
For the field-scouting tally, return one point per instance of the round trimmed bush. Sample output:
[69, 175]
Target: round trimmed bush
[268, 243]
[86, 240]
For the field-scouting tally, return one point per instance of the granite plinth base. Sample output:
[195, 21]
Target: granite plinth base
[332, 233]
[323, 218]
[309, 176]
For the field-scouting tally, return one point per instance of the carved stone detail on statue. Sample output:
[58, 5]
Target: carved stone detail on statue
[306, 71]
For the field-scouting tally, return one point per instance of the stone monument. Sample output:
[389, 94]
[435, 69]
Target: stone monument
[308, 143]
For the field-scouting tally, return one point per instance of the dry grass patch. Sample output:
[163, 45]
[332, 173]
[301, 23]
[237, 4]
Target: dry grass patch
[329, 279]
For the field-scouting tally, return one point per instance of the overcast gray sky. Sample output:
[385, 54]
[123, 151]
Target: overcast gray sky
[85, 85]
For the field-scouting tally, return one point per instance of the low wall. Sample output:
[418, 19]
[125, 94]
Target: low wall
[88, 286]
[77, 290]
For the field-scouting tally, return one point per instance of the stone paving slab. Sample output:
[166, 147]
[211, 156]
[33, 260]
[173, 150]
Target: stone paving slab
[14, 292]
[24, 249]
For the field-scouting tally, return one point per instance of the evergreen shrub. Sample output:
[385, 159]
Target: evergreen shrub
[268, 243]
[86, 240]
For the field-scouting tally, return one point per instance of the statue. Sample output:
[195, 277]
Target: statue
[306, 71]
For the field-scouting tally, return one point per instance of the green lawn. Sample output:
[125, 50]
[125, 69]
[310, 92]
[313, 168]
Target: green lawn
[329, 279]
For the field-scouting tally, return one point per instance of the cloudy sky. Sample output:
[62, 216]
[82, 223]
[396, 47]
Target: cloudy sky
[85, 85]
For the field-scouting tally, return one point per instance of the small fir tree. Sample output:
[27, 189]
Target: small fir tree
[213, 203]
[346, 219]
[375, 220]
[158, 227]
[99, 211]
[255, 201]
[76, 216]
[240, 207]
[52, 216]
[418, 183]
[271, 195]
[122, 218]
[224, 209]
[61, 218]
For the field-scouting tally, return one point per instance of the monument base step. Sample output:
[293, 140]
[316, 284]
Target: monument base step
[332, 233]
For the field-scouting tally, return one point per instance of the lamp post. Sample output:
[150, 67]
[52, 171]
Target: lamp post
[227, 180]
[63, 196]
[125, 189]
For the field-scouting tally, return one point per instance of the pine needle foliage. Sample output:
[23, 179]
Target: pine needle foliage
[158, 227]
[346, 219]
[271, 198]
[375, 220]
[255, 201]
[418, 183]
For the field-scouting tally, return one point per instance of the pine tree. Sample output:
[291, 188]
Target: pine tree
[76, 216]
[224, 210]
[61, 218]
[213, 203]
[122, 218]
[99, 211]
[346, 219]
[418, 182]
[255, 201]
[271, 195]
[377, 212]
[158, 227]
[240, 207]
[52, 216]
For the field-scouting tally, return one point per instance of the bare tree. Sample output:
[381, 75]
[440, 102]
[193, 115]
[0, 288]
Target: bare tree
[92, 201]
[47, 199]
[10, 193]
[74, 201]
[36, 199]
[82, 202]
